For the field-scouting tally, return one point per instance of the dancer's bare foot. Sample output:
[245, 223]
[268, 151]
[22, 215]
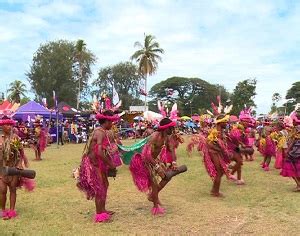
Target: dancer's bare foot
[240, 182]
[110, 212]
[219, 195]
[297, 189]
[150, 199]
[232, 178]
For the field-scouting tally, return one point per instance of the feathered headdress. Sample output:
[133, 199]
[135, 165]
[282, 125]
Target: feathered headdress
[173, 114]
[295, 115]
[206, 118]
[220, 110]
[288, 121]
[106, 104]
[245, 116]
[6, 119]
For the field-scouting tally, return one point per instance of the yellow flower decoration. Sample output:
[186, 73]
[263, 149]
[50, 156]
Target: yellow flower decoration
[281, 142]
[205, 116]
[262, 142]
[238, 126]
[274, 136]
[213, 135]
[15, 144]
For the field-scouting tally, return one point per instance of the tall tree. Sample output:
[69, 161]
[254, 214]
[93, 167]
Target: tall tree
[192, 94]
[83, 59]
[16, 90]
[293, 97]
[2, 98]
[125, 78]
[147, 56]
[56, 67]
[243, 95]
[276, 97]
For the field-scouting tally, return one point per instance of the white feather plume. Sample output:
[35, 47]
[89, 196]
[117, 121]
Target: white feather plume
[209, 112]
[228, 109]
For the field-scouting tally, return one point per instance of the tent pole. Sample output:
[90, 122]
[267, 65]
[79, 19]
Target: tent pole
[57, 128]
[50, 117]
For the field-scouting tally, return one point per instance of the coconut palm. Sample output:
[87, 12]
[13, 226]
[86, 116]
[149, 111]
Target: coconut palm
[276, 97]
[80, 47]
[16, 90]
[147, 57]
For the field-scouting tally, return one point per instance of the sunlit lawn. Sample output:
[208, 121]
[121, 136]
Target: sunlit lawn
[265, 205]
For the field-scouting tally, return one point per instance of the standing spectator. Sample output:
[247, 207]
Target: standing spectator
[74, 131]
[60, 133]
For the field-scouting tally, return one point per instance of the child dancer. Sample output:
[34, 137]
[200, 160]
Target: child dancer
[248, 138]
[291, 163]
[234, 140]
[267, 147]
[11, 155]
[148, 171]
[216, 155]
[40, 138]
[96, 164]
[281, 143]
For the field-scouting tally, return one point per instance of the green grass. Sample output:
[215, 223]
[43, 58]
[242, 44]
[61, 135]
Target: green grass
[265, 205]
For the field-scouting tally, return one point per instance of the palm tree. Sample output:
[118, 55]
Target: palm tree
[147, 57]
[80, 47]
[17, 88]
[276, 97]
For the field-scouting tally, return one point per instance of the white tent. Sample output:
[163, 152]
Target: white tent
[152, 116]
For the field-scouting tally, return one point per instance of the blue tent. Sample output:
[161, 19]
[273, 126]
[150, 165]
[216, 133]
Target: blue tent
[31, 109]
[190, 124]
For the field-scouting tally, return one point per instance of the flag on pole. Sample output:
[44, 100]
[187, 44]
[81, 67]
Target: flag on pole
[142, 88]
[116, 98]
[44, 101]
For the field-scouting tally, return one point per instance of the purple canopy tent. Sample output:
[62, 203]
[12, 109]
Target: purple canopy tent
[31, 109]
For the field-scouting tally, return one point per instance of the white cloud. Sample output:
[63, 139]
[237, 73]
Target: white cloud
[219, 41]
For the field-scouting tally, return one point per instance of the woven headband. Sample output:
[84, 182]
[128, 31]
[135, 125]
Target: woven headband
[164, 127]
[7, 122]
[104, 117]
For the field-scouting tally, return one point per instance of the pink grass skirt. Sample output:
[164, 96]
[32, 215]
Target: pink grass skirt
[279, 159]
[140, 173]
[92, 180]
[270, 149]
[290, 169]
[166, 156]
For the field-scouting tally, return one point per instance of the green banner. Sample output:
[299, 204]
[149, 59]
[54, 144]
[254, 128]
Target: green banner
[129, 151]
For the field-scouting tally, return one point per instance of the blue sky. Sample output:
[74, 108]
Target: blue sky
[222, 41]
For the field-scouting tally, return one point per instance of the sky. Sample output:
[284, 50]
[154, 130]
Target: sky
[221, 41]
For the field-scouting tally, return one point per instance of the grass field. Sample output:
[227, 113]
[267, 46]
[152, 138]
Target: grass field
[265, 205]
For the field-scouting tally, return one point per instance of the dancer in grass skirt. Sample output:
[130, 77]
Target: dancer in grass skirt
[216, 156]
[291, 162]
[11, 155]
[39, 139]
[267, 146]
[97, 164]
[147, 169]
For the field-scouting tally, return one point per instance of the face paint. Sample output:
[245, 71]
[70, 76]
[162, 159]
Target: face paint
[7, 129]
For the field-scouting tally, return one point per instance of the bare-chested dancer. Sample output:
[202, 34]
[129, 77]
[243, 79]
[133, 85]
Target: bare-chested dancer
[148, 171]
[11, 155]
[96, 164]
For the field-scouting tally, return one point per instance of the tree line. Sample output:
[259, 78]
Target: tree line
[66, 67]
